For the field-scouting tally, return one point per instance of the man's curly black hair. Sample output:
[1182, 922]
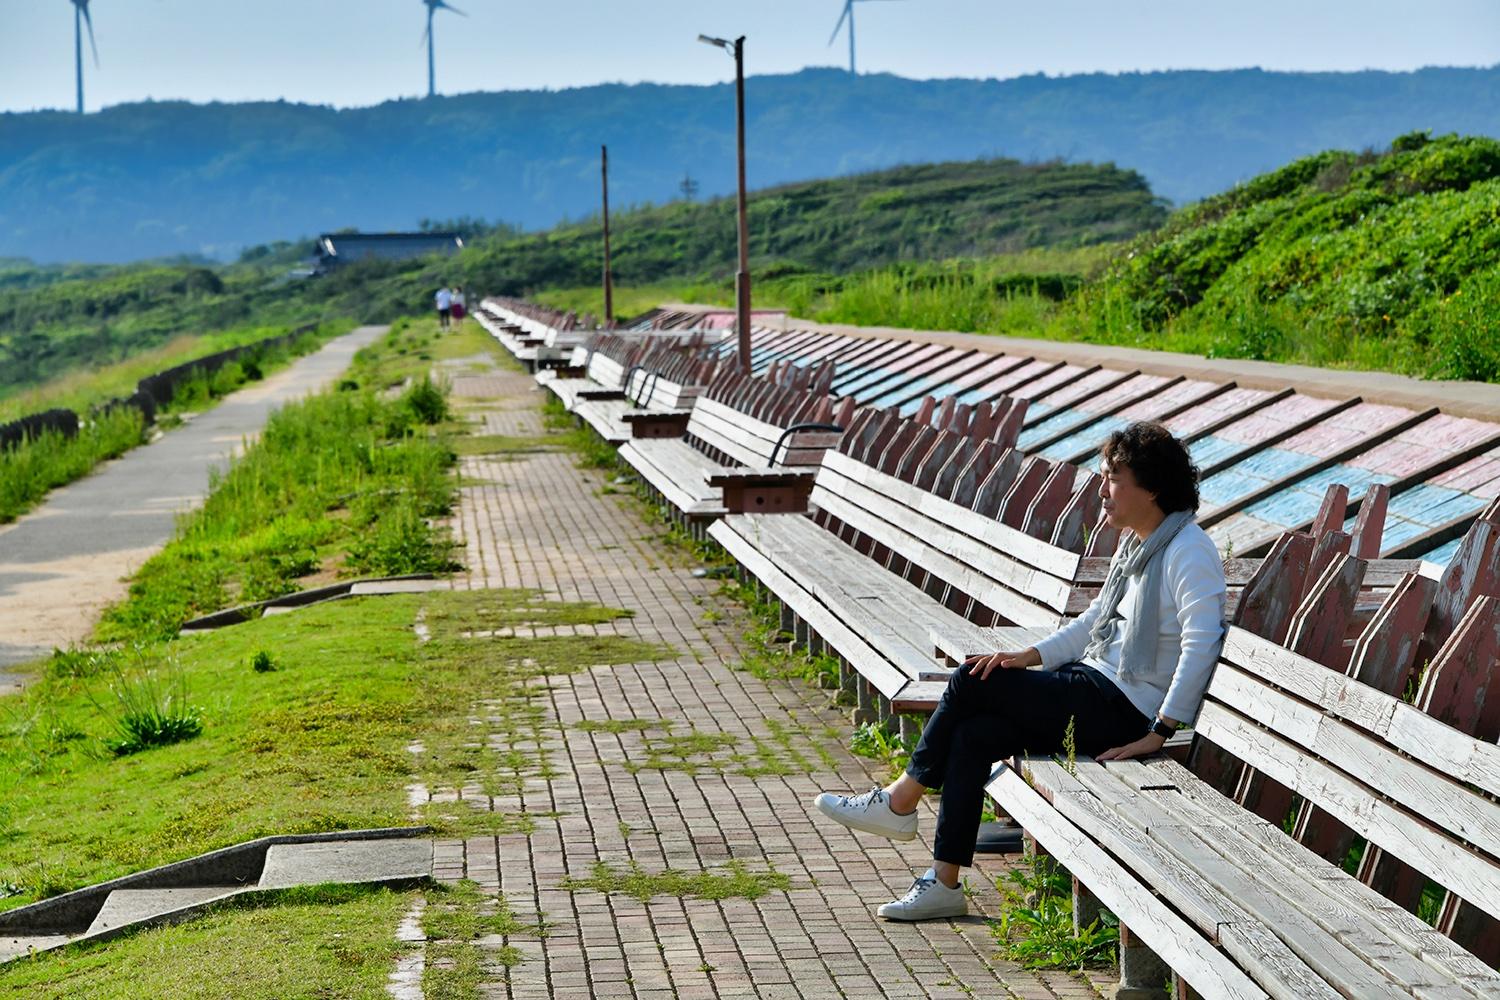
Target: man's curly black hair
[1160, 462]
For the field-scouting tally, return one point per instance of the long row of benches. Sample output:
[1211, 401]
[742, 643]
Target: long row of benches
[1203, 882]
[935, 535]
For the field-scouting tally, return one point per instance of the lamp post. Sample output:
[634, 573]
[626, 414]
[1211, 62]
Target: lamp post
[609, 282]
[742, 276]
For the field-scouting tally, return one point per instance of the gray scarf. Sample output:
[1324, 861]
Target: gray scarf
[1138, 559]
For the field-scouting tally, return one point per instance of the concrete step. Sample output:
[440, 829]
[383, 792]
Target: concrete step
[180, 889]
[20, 947]
[393, 860]
[127, 906]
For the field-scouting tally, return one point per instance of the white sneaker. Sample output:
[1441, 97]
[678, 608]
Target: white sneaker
[927, 899]
[870, 812]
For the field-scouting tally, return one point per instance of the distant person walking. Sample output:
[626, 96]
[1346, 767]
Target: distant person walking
[459, 304]
[444, 300]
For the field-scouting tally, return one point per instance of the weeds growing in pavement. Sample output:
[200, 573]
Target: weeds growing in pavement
[457, 917]
[1036, 921]
[880, 741]
[618, 726]
[734, 880]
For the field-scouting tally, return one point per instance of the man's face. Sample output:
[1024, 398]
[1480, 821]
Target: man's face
[1126, 503]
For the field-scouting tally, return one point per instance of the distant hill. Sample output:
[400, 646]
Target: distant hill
[56, 319]
[159, 179]
[834, 226]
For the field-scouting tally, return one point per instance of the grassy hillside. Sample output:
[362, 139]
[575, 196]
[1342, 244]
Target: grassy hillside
[1377, 260]
[1387, 260]
[91, 187]
[844, 224]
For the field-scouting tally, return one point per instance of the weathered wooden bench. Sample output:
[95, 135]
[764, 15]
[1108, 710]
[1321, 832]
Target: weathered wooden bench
[536, 336]
[918, 524]
[618, 375]
[747, 443]
[1309, 734]
[925, 531]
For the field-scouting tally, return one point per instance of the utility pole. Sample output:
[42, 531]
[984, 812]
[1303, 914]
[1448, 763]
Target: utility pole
[609, 284]
[742, 276]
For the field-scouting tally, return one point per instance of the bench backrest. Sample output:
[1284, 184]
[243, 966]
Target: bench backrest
[1419, 789]
[742, 421]
[939, 499]
[1449, 622]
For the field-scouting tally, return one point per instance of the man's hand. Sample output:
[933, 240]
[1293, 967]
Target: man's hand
[981, 664]
[1148, 744]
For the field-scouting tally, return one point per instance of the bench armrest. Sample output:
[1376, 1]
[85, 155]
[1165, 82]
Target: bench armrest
[775, 490]
[776, 475]
[656, 423]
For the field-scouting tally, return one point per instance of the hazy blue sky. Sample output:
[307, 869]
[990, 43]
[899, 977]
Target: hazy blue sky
[355, 52]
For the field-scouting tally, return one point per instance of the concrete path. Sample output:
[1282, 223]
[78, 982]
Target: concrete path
[535, 520]
[64, 562]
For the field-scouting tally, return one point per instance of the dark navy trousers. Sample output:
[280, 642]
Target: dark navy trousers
[1011, 712]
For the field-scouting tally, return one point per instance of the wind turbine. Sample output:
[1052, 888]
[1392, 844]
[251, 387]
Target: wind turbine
[847, 15]
[433, 6]
[80, 18]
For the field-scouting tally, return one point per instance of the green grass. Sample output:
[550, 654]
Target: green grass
[347, 479]
[35, 467]
[318, 744]
[306, 943]
[455, 920]
[29, 471]
[1384, 261]
[733, 880]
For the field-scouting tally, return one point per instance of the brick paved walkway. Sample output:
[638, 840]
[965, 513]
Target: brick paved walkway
[535, 520]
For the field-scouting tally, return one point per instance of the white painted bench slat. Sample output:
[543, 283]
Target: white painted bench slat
[1035, 587]
[1403, 726]
[1172, 938]
[1475, 879]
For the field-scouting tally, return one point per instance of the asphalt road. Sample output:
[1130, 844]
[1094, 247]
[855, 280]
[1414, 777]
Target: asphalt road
[64, 562]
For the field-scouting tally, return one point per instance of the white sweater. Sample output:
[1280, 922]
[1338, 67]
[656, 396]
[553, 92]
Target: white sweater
[1190, 632]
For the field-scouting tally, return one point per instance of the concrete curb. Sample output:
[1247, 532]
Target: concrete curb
[302, 598]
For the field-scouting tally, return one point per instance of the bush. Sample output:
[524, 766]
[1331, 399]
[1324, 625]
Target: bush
[399, 542]
[426, 401]
[149, 710]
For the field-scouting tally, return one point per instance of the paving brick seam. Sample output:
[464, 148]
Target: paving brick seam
[534, 520]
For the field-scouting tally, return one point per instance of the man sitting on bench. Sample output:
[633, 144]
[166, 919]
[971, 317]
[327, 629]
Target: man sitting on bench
[1122, 689]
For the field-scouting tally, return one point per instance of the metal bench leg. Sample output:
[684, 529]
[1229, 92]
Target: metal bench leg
[801, 632]
[1143, 976]
[788, 618]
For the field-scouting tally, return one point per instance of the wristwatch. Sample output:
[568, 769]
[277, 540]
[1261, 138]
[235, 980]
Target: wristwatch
[1162, 728]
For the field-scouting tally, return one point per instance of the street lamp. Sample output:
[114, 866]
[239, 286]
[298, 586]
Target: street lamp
[742, 277]
[609, 280]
